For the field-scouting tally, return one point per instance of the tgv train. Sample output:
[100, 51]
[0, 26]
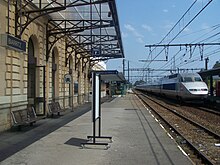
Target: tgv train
[181, 86]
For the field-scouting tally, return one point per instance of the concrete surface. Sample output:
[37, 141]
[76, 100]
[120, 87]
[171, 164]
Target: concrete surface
[137, 140]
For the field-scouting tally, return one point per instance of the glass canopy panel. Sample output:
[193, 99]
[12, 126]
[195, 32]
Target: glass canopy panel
[97, 18]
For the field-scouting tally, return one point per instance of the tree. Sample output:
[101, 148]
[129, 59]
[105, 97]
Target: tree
[217, 65]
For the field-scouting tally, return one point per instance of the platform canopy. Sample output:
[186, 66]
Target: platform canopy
[110, 75]
[92, 25]
[114, 77]
[210, 72]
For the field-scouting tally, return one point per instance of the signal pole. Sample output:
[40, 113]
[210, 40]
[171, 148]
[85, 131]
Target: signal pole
[128, 72]
[123, 67]
[206, 63]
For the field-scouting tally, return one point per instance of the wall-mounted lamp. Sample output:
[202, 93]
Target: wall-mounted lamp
[109, 14]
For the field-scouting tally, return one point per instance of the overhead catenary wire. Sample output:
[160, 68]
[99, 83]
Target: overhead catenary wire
[176, 24]
[206, 39]
[215, 27]
[182, 30]
[213, 52]
[218, 39]
[195, 58]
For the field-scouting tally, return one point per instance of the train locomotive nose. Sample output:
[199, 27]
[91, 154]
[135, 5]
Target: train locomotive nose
[198, 88]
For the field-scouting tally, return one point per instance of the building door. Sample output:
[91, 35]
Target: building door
[54, 69]
[31, 86]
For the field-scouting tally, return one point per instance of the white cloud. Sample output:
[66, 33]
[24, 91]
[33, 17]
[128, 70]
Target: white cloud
[124, 35]
[133, 30]
[138, 37]
[168, 25]
[187, 29]
[129, 27]
[202, 1]
[165, 10]
[147, 27]
[205, 26]
[140, 40]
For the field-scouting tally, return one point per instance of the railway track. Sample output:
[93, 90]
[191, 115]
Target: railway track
[203, 107]
[209, 110]
[202, 140]
[205, 116]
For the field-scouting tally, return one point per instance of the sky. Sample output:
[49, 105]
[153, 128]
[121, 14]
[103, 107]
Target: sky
[147, 22]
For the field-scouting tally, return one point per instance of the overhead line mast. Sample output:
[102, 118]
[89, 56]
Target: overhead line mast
[159, 70]
[190, 46]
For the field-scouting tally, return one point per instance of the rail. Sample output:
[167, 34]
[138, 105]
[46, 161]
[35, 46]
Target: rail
[212, 134]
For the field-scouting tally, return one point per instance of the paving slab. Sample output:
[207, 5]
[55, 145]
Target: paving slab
[137, 139]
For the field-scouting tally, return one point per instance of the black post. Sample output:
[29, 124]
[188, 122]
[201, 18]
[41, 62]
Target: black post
[16, 18]
[211, 86]
[44, 92]
[94, 127]
[123, 66]
[93, 104]
[8, 17]
[206, 63]
[128, 72]
[99, 106]
[94, 115]
[100, 31]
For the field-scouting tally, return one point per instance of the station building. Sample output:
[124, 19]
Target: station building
[46, 52]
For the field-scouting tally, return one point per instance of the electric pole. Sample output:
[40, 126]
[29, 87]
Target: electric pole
[128, 72]
[123, 67]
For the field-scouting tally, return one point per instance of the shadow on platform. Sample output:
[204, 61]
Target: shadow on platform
[76, 142]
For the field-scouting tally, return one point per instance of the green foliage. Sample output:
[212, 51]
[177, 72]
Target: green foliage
[217, 65]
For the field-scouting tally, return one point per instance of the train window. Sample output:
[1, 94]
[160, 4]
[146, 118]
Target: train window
[197, 79]
[188, 79]
[173, 76]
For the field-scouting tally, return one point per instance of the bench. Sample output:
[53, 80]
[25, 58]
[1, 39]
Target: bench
[24, 117]
[55, 108]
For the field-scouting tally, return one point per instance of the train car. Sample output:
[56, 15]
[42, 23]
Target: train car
[181, 86]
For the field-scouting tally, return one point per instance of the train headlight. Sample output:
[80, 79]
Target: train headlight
[192, 89]
[198, 90]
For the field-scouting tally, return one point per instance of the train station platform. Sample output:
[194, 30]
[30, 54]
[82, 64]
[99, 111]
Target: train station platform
[137, 139]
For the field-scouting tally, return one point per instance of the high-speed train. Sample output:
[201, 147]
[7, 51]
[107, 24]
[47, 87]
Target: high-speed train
[181, 86]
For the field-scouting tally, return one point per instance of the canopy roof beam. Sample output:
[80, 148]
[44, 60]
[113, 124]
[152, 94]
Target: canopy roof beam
[92, 24]
[26, 11]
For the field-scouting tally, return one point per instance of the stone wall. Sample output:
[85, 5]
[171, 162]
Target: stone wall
[14, 69]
